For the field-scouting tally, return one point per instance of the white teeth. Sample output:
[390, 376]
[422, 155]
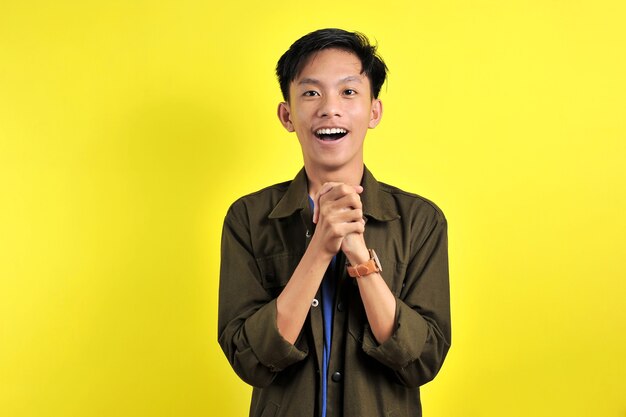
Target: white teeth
[331, 131]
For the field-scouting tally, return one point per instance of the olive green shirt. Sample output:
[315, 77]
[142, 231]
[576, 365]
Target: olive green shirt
[264, 237]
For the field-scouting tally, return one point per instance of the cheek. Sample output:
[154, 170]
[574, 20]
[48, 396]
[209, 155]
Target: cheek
[300, 117]
[297, 122]
[363, 118]
[363, 112]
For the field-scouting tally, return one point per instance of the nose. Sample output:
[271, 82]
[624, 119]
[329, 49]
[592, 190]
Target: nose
[330, 107]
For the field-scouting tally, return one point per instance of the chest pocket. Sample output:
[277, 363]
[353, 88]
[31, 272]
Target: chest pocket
[276, 270]
[393, 273]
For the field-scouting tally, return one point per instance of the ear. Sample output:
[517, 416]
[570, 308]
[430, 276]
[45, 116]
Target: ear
[376, 113]
[284, 115]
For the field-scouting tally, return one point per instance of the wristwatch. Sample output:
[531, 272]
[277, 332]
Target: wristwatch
[369, 267]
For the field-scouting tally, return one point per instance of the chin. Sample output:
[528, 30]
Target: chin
[334, 164]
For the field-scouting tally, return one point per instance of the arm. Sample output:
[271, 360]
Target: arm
[339, 214]
[378, 300]
[294, 301]
[259, 334]
[410, 333]
[247, 317]
[421, 338]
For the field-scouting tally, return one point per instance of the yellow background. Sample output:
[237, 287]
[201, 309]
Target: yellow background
[127, 128]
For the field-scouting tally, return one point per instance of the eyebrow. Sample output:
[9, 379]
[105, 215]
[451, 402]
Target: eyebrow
[313, 81]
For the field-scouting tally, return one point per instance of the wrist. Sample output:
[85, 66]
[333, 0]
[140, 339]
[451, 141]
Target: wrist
[319, 250]
[358, 256]
[355, 249]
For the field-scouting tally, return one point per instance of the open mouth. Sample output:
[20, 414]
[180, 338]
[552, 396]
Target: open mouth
[330, 134]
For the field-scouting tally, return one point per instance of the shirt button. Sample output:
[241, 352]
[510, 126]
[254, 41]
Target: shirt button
[337, 377]
[308, 234]
[315, 303]
[340, 306]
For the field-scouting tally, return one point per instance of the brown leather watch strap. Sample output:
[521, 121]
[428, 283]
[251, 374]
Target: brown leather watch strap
[360, 270]
[366, 268]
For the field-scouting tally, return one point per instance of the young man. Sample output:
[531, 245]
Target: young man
[334, 297]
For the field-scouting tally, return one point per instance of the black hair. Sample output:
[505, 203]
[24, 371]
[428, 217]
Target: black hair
[291, 63]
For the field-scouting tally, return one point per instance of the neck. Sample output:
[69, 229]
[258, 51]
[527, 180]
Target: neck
[346, 175]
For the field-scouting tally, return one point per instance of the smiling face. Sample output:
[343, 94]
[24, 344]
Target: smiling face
[330, 108]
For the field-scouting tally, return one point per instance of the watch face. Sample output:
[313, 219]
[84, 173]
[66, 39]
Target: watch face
[375, 258]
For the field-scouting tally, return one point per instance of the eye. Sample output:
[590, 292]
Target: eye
[311, 93]
[349, 92]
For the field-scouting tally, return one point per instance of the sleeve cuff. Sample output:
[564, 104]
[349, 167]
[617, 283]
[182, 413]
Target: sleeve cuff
[270, 348]
[405, 344]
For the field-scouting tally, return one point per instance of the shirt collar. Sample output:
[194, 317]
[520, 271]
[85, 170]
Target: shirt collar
[377, 203]
[296, 197]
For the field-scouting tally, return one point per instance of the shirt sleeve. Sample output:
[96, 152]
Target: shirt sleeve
[247, 329]
[422, 335]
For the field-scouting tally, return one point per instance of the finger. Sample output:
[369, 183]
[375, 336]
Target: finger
[326, 187]
[350, 201]
[348, 216]
[348, 228]
[338, 191]
[348, 207]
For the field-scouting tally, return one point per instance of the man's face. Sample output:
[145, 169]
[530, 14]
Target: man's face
[330, 108]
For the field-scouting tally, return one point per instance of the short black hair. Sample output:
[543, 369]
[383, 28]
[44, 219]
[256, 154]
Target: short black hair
[290, 64]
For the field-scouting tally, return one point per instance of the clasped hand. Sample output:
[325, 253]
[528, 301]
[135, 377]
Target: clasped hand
[338, 215]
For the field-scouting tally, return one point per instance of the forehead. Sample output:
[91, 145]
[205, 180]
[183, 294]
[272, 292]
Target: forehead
[331, 62]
